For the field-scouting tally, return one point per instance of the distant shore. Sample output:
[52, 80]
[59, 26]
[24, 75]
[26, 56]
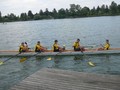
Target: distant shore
[75, 11]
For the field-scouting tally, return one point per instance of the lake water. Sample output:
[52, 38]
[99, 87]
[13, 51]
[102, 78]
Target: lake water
[92, 31]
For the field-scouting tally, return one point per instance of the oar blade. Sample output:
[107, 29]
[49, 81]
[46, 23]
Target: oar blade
[1, 62]
[49, 58]
[23, 59]
[91, 64]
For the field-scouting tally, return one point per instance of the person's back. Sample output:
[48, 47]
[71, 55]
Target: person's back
[107, 45]
[55, 46]
[37, 47]
[77, 46]
[22, 48]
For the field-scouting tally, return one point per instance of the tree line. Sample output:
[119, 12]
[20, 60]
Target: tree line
[75, 11]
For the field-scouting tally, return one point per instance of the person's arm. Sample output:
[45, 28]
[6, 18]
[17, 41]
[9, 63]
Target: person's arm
[74, 44]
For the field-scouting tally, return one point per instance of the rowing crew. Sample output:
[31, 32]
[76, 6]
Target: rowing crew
[56, 48]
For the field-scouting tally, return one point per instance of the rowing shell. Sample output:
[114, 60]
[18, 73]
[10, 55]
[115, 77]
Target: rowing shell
[66, 52]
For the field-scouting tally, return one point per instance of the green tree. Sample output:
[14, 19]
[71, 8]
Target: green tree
[12, 17]
[54, 13]
[78, 10]
[37, 16]
[67, 13]
[118, 8]
[113, 8]
[78, 7]
[98, 11]
[23, 17]
[103, 9]
[30, 14]
[93, 12]
[41, 13]
[46, 12]
[0, 16]
[107, 10]
[72, 10]
[6, 19]
[85, 12]
[61, 13]
[75, 10]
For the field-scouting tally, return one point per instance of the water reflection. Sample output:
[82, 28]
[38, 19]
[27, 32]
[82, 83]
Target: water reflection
[38, 58]
[57, 61]
[13, 71]
[78, 59]
[111, 66]
[107, 63]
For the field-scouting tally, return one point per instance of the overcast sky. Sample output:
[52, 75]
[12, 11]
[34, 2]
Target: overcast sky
[19, 6]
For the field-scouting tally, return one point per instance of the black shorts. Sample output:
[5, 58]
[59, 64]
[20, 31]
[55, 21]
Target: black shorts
[37, 51]
[77, 49]
[22, 51]
[57, 50]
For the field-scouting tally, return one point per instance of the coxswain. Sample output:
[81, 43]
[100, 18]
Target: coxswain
[106, 46]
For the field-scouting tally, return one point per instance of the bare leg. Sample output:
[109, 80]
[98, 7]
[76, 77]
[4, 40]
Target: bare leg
[99, 49]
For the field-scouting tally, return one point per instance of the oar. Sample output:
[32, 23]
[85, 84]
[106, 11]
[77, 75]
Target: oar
[89, 63]
[101, 45]
[90, 46]
[51, 58]
[24, 59]
[2, 62]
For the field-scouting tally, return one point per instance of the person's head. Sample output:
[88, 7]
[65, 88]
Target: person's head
[25, 42]
[107, 41]
[22, 43]
[78, 40]
[56, 41]
[38, 42]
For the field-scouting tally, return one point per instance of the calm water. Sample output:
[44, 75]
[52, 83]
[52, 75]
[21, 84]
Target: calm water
[91, 31]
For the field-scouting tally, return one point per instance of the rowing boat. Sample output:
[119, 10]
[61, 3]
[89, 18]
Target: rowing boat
[66, 52]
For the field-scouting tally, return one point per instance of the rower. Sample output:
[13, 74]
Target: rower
[22, 48]
[77, 46]
[56, 47]
[106, 46]
[39, 48]
[26, 46]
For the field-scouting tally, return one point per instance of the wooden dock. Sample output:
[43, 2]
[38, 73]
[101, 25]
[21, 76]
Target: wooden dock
[54, 79]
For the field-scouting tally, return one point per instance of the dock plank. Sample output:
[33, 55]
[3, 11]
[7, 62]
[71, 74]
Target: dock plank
[55, 79]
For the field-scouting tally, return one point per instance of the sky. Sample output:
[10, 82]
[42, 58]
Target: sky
[22, 6]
